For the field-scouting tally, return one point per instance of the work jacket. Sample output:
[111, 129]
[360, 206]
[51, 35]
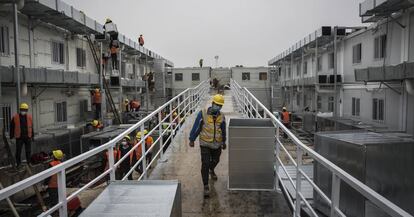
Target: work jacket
[96, 98]
[21, 126]
[137, 153]
[211, 128]
[53, 179]
[285, 117]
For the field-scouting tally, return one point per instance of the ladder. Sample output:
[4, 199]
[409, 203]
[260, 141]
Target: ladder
[105, 82]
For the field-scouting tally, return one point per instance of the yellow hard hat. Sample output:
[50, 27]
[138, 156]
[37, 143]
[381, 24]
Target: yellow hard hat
[218, 99]
[107, 20]
[128, 138]
[95, 123]
[284, 108]
[97, 90]
[175, 114]
[145, 132]
[126, 100]
[138, 136]
[24, 106]
[58, 154]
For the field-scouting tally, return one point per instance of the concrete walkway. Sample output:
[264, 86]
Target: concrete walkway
[184, 164]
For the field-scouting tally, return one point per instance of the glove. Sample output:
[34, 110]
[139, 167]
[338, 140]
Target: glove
[191, 143]
[224, 146]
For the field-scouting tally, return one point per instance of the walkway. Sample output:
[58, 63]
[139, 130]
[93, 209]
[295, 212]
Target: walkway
[184, 164]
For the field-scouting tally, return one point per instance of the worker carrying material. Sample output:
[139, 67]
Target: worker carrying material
[141, 40]
[210, 124]
[97, 102]
[21, 128]
[125, 165]
[285, 120]
[52, 182]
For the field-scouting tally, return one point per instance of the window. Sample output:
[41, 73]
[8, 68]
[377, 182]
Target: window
[305, 68]
[5, 116]
[378, 109]
[195, 76]
[245, 76]
[61, 114]
[178, 76]
[298, 69]
[4, 40]
[319, 102]
[58, 53]
[356, 53]
[263, 76]
[319, 62]
[305, 101]
[298, 99]
[355, 106]
[289, 70]
[331, 61]
[280, 71]
[80, 57]
[331, 104]
[380, 47]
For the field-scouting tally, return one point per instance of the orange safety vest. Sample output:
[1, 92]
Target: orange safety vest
[97, 98]
[17, 130]
[53, 179]
[135, 104]
[285, 117]
[138, 151]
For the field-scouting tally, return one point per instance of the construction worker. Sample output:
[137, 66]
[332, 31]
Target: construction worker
[97, 125]
[210, 124]
[116, 150]
[149, 141]
[114, 48]
[125, 165]
[21, 128]
[97, 102]
[52, 182]
[126, 105]
[137, 153]
[285, 120]
[141, 40]
[135, 105]
[200, 62]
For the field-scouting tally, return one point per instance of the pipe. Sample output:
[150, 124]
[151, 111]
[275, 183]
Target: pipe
[16, 54]
[409, 85]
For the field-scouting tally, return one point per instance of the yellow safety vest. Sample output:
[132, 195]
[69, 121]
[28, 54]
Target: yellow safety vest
[211, 131]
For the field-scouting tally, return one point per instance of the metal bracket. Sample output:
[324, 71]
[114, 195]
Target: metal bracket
[398, 22]
[393, 89]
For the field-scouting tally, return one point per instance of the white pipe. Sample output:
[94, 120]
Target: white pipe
[409, 85]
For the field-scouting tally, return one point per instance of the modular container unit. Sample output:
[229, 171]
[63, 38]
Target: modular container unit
[251, 154]
[383, 162]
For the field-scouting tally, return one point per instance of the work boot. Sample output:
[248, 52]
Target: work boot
[206, 191]
[213, 175]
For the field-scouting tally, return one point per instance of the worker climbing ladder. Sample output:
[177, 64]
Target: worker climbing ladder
[105, 82]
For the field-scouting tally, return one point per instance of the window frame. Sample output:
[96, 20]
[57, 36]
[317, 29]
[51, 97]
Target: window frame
[193, 74]
[305, 67]
[298, 68]
[177, 75]
[6, 114]
[61, 116]
[380, 47]
[378, 109]
[80, 57]
[357, 53]
[245, 76]
[319, 63]
[356, 107]
[4, 40]
[261, 75]
[60, 51]
[331, 60]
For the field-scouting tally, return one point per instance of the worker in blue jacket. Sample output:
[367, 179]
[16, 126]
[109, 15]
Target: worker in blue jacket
[210, 124]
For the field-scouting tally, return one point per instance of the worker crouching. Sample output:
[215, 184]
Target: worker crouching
[210, 124]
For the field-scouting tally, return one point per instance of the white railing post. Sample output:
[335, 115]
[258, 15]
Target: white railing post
[335, 194]
[61, 179]
[298, 201]
[277, 156]
[144, 156]
[161, 141]
[111, 162]
[257, 110]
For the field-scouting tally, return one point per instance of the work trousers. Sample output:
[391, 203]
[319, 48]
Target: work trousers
[287, 125]
[27, 146]
[53, 197]
[209, 160]
[114, 59]
[97, 111]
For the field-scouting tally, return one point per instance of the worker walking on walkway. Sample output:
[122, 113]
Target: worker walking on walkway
[285, 120]
[210, 124]
[52, 182]
[21, 128]
[125, 165]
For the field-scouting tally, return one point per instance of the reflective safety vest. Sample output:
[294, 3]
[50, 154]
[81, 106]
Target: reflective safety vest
[53, 179]
[211, 130]
[138, 151]
[285, 117]
[17, 130]
[96, 98]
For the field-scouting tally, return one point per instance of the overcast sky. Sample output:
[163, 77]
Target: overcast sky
[240, 32]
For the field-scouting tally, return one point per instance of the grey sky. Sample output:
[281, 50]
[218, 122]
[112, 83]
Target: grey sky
[246, 32]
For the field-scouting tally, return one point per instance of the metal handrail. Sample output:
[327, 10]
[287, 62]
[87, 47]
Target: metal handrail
[247, 102]
[193, 97]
